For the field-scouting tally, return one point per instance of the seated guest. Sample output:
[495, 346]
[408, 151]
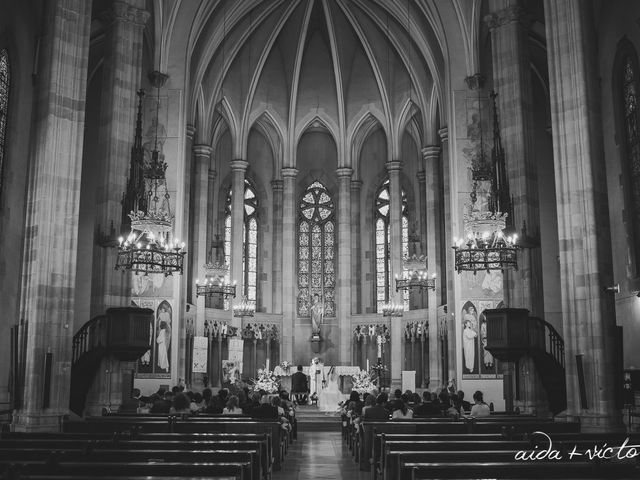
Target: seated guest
[206, 396]
[196, 402]
[479, 409]
[446, 405]
[131, 404]
[378, 411]
[299, 386]
[397, 393]
[427, 408]
[162, 403]
[181, 404]
[369, 401]
[265, 411]
[400, 410]
[460, 403]
[232, 407]
[355, 398]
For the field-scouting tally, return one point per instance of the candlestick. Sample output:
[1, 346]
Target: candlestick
[367, 364]
[379, 350]
[268, 365]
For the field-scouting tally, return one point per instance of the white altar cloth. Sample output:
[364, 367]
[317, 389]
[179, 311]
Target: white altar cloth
[340, 370]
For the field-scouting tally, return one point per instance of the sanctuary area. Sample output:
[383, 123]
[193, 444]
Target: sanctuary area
[317, 238]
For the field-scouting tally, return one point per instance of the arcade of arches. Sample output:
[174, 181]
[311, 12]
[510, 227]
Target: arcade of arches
[312, 145]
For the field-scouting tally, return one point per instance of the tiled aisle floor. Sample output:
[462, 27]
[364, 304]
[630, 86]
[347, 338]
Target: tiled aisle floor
[319, 455]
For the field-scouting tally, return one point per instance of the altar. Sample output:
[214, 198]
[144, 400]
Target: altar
[344, 372]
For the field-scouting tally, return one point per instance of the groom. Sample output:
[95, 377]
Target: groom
[299, 386]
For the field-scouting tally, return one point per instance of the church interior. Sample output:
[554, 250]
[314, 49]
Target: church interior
[412, 195]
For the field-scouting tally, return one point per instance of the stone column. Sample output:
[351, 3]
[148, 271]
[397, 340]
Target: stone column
[583, 213]
[121, 78]
[431, 156]
[512, 81]
[446, 277]
[395, 219]
[202, 157]
[356, 248]
[238, 169]
[289, 283]
[277, 187]
[423, 229]
[190, 274]
[53, 199]
[343, 284]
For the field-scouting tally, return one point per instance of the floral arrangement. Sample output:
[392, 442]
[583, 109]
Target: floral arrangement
[285, 365]
[362, 382]
[266, 381]
[315, 360]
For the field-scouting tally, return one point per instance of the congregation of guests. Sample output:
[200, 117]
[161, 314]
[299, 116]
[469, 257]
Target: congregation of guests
[380, 406]
[242, 402]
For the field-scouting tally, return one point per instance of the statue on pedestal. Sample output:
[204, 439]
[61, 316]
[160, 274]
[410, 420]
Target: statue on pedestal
[317, 317]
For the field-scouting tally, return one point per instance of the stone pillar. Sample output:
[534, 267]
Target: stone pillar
[446, 277]
[512, 81]
[395, 219]
[202, 156]
[356, 248]
[190, 274]
[53, 199]
[276, 307]
[422, 222]
[121, 78]
[343, 284]
[431, 156]
[288, 260]
[583, 213]
[238, 169]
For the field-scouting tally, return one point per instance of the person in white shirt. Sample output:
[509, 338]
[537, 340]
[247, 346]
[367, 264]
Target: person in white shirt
[480, 409]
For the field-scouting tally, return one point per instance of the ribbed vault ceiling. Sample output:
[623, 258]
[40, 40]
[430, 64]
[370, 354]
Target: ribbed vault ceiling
[342, 65]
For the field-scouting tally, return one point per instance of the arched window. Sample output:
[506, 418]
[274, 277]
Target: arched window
[249, 241]
[384, 282]
[628, 88]
[4, 106]
[316, 250]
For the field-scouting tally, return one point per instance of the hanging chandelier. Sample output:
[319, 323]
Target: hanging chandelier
[149, 246]
[246, 308]
[392, 309]
[486, 246]
[216, 280]
[415, 274]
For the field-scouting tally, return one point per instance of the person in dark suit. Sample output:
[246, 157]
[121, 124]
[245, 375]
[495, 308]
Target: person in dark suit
[300, 386]
[379, 410]
[130, 405]
[265, 411]
[427, 408]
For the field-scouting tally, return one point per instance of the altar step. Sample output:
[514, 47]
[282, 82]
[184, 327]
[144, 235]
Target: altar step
[310, 419]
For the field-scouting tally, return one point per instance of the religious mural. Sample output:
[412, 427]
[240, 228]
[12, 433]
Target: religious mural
[156, 362]
[477, 362]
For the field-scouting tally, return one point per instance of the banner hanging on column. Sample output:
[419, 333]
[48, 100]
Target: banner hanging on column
[200, 351]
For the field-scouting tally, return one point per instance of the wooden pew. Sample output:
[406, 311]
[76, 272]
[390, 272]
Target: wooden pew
[511, 470]
[54, 456]
[171, 424]
[93, 470]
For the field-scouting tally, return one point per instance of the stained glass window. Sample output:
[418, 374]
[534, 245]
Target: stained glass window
[384, 280]
[316, 250]
[4, 106]
[632, 140]
[249, 241]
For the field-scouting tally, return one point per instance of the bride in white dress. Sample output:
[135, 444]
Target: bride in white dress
[330, 396]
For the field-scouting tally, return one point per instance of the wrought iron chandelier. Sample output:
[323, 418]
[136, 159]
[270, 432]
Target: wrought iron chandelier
[393, 309]
[217, 274]
[415, 274]
[246, 308]
[149, 247]
[486, 246]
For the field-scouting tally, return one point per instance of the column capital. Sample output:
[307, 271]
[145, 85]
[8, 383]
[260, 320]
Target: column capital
[277, 185]
[212, 174]
[239, 164]
[356, 185]
[344, 172]
[289, 172]
[393, 165]
[444, 134]
[202, 150]
[422, 176]
[505, 16]
[475, 81]
[123, 11]
[431, 152]
[190, 131]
